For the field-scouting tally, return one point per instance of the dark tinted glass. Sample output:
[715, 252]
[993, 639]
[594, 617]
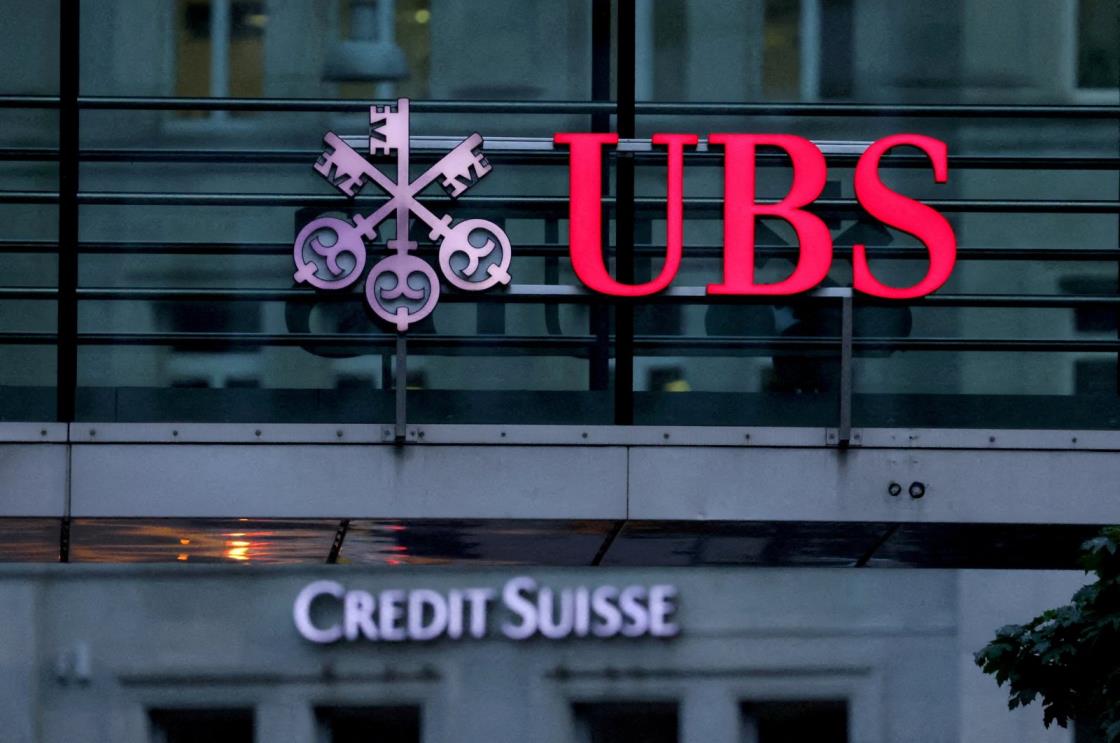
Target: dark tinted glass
[202, 726]
[367, 724]
[626, 722]
[780, 722]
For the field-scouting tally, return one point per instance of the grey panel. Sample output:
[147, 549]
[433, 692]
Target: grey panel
[16, 432]
[33, 480]
[561, 435]
[349, 481]
[1062, 487]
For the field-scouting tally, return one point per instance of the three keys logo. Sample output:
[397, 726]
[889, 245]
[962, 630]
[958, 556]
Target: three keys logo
[402, 288]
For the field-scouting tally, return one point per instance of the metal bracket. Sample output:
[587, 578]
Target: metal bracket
[844, 431]
[400, 386]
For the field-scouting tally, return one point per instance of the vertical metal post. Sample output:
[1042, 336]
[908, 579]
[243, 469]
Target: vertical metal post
[644, 50]
[552, 276]
[810, 48]
[599, 320]
[339, 538]
[401, 390]
[624, 219]
[844, 431]
[68, 141]
[220, 23]
[64, 541]
[600, 61]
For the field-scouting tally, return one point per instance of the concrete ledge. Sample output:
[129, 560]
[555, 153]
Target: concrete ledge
[349, 481]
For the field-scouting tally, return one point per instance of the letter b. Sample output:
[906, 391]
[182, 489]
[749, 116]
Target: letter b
[740, 210]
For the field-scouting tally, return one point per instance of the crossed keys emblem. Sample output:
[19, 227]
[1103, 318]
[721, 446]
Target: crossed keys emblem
[330, 252]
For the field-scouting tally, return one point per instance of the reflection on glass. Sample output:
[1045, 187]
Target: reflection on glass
[1098, 44]
[220, 50]
[201, 540]
[30, 540]
[436, 542]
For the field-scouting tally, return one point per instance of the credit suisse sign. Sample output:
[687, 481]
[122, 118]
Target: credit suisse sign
[326, 612]
[474, 254]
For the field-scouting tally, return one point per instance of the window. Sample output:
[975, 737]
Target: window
[1088, 731]
[779, 721]
[395, 724]
[626, 722]
[220, 50]
[1096, 63]
[806, 48]
[202, 725]
[406, 24]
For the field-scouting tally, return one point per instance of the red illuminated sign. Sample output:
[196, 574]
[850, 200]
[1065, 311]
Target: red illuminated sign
[741, 210]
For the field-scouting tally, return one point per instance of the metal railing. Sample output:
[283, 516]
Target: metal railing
[629, 212]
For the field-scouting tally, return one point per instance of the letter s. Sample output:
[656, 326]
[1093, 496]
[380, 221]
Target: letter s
[514, 600]
[905, 214]
[602, 602]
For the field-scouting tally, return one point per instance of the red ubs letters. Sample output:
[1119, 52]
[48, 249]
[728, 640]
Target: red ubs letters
[741, 209]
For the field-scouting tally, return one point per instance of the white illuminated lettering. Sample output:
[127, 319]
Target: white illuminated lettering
[550, 626]
[631, 604]
[358, 615]
[418, 601]
[526, 609]
[301, 611]
[581, 622]
[390, 613]
[478, 598]
[602, 602]
[520, 605]
[661, 605]
[454, 614]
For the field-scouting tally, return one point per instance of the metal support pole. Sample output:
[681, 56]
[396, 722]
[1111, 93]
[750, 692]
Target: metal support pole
[401, 388]
[68, 143]
[64, 541]
[220, 24]
[599, 321]
[339, 538]
[624, 219]
[844, 432]
[552, 277]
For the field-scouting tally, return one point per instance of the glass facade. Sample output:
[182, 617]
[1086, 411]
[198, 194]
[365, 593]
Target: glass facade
[181, 305]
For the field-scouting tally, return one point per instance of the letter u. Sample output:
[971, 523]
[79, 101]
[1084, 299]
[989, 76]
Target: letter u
[585, 227]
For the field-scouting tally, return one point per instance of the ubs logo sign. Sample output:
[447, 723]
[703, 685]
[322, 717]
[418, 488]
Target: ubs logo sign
[741, 209]
[402, 289]
[474, 254]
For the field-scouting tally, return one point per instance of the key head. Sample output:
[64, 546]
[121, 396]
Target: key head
[342, 166]
[464, 166]
[317, 250]
[467, 255]
[402, 290]
[388, 128]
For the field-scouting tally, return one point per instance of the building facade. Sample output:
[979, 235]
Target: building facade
[170, 395]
